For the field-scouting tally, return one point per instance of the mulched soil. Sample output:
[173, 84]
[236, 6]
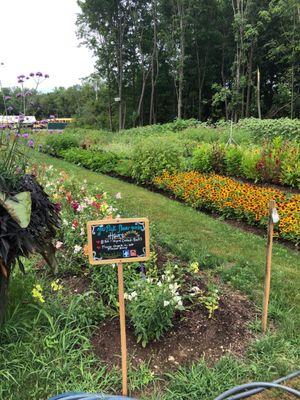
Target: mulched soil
[193, 336]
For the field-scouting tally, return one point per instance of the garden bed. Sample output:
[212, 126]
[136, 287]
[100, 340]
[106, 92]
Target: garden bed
[192, 337]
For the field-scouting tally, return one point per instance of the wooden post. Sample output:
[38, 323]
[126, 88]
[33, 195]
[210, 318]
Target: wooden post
[268, 267]
[122, 329]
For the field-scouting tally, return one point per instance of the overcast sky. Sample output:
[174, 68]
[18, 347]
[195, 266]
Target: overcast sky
[39, 35]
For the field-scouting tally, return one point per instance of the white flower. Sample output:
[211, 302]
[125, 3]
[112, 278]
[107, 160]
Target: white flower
[82, 232]
[77, 249]
[179, 306]
[126, 297]
[118, 195]
[58, 244]
[133, 295]
[159, 283]
[65, 222]
[166, 303]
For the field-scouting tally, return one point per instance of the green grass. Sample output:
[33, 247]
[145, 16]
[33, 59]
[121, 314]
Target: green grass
[44, 352]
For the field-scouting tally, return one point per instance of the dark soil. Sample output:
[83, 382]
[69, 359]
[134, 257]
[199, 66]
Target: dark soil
[193, 336]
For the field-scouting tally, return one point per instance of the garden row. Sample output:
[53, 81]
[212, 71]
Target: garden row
[203, 149]
[225, 196]
[152, 301]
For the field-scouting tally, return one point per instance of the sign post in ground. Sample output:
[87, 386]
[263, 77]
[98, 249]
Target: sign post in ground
[118, 241]
[273, 219]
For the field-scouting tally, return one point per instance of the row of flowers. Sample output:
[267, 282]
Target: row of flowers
[234, 199]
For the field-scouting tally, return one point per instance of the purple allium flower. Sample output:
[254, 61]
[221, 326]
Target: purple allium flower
[31, 74]
[28, 93]
[7, 98]
[22, 76]
[19, 94]
[18, 134]
[31, 143]
[10, 108]
[20, 81]
[46, 76]
[39, 74]
[25, 135]
[2, 126]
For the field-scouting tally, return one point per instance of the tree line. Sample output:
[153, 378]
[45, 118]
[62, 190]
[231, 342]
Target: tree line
[157, 60]
[166, 59]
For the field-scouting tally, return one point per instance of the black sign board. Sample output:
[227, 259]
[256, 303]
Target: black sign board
[118, 240]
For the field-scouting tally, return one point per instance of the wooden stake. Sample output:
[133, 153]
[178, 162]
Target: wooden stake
[122, 329]
[268, 267]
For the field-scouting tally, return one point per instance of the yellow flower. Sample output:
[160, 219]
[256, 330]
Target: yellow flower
[55, 285]
[37, 293]
[194, 267]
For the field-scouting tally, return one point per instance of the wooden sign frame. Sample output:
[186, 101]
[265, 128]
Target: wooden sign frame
[118, 260]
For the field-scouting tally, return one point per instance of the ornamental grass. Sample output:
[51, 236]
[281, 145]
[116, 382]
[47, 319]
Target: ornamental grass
[234, 199]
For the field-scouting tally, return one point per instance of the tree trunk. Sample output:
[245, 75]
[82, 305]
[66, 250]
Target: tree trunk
[200, 81]
[180, 9]
[223, 79]
[258, 94]
[249, 84]
[154, 63]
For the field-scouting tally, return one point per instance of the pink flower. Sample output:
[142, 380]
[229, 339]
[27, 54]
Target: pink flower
[58, 244]
[74, 205]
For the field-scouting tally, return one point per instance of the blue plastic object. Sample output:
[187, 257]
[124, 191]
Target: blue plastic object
[88, 396]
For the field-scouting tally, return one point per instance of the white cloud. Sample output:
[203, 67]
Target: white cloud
[39, 35]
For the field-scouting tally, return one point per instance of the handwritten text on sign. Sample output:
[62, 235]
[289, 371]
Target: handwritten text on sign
[119, 240]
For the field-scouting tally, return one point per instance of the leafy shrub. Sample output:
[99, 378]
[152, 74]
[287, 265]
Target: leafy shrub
[99, 161]
[290, 167]
[248, 166]
[151, 307]
[269, 164]
[56, 143]
[217, 157]
[201, 160]
[154, 156]
[233, 159]
[105, 282]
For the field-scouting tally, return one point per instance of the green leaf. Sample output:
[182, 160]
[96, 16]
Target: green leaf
[18, 207]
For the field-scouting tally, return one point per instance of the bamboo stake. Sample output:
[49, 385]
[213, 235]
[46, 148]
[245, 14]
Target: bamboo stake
[268, 267]
[122, 329]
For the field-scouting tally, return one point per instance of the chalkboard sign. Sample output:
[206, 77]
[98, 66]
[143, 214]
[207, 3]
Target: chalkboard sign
[121, 240]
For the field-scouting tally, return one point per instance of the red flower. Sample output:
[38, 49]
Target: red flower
[74, 205]
[99, 196]
[75, 223]
[95, 204]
